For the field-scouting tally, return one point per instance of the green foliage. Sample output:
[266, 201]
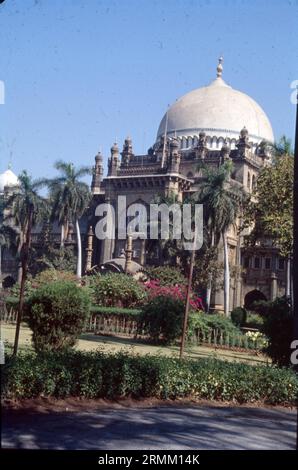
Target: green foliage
[99, 375]
[271, 212]
[57, 315]
[116, 290]
[206, 323]
[238, 316]
[50, 275]
[166, 275]
[132, 313]
[278, 327]
[161, 319]
[254, 320]
[48, 257]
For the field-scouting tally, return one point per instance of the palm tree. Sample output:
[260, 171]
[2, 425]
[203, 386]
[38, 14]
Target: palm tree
[71, 198]
[222, 201]
[170, 248]
[25, 208]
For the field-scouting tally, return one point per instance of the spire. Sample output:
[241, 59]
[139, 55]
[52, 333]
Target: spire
[219, 67]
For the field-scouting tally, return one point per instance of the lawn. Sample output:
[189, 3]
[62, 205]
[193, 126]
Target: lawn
[89, 342]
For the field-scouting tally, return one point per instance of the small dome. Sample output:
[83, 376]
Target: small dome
[8, 179]
[219, 111]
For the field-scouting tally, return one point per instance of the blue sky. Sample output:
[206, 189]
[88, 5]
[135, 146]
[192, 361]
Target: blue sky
[79, 74]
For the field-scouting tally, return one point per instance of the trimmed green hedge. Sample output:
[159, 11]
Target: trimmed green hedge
[132, 313]
[99, 375]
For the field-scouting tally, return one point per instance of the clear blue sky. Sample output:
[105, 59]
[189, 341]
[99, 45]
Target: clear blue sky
[80, 73]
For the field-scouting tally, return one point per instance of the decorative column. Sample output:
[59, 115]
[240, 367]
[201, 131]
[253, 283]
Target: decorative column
[128, 254]
[89, 250]
[273, 290]
[142, 259]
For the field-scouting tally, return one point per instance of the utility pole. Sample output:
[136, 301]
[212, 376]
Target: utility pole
[186, 311]
[295, 251]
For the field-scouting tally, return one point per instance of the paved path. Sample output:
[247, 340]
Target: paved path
[160, 427]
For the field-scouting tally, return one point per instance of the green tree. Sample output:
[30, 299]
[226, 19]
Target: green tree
[270, 212]
[222, 199]
[70, 197]
[25, 208]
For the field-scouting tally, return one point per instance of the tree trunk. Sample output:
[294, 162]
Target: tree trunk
[79, 243]
[226, 276]
[24, 259]
[62, 237]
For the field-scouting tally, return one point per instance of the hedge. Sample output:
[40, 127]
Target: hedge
[130, 313]
[99, 375]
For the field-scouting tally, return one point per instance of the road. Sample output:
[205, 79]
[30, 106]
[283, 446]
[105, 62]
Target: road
[157, 427]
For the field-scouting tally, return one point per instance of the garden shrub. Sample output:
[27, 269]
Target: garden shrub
[57, 315]
[203, 324]
[238, 316]
[161, 318]
[279, 328]
[50, 275]
[129, 313]
[254, 320]
[116, 290]
[178, 292]
[99, 375]
[166, 275]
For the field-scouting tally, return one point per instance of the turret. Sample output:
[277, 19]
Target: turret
[243, 144]
[97, 174]
[174, 163]
[114, 160]
[126, 153]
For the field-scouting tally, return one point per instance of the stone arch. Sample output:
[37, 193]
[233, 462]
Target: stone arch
[253, 296]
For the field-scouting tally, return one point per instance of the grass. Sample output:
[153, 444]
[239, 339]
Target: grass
[110, 344]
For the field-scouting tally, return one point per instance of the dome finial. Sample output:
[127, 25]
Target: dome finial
[219, 68]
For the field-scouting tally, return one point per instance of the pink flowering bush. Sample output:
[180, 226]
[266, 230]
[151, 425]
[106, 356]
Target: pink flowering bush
[178, 292]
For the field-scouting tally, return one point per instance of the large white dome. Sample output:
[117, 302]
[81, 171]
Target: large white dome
[8, 179]
[219, 111]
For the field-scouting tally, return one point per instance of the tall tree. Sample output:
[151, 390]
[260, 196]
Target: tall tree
[71, 197]
[25, 208]
[271, 212]
[222, 199]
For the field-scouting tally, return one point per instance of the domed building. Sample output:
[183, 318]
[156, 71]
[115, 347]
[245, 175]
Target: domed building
[8, 181]
[210, 124]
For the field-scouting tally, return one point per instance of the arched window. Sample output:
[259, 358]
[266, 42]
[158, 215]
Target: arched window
[248, 181]
[253, 181]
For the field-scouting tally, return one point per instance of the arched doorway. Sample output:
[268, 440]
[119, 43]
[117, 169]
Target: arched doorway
[253, 296]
